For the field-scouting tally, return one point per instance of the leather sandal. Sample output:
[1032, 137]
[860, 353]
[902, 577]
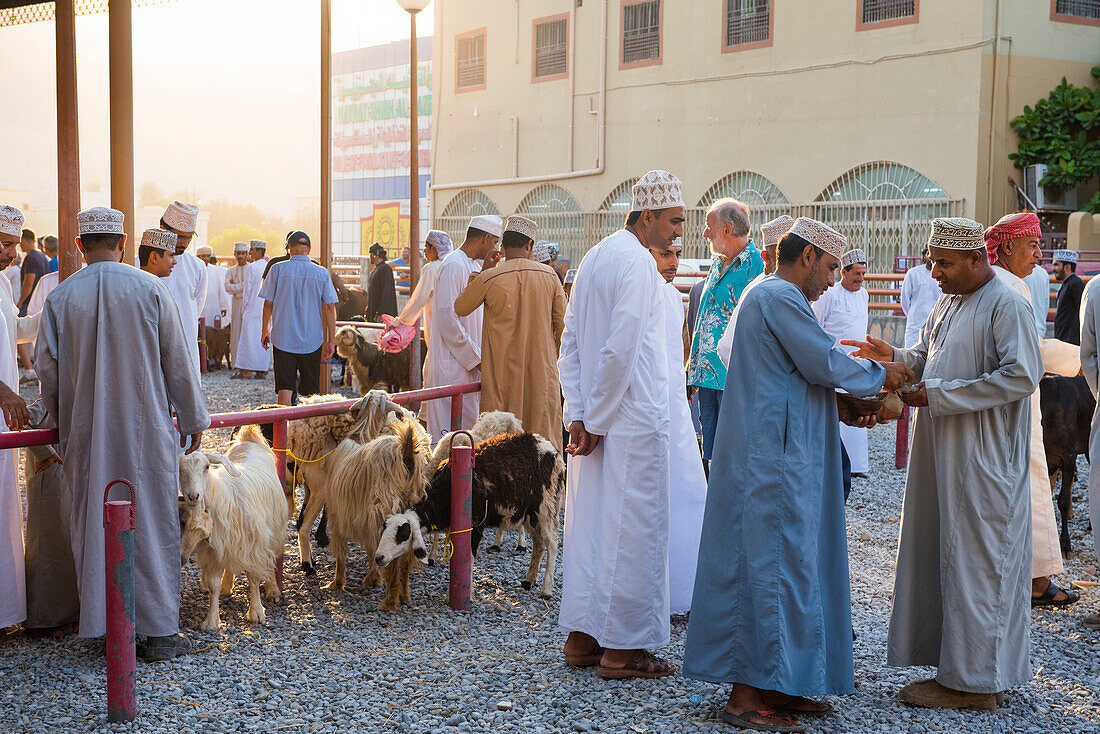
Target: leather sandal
[743, 720]
[1047, 598]
[644, 664]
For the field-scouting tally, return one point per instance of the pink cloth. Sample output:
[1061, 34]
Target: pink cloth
[397, 338]
[1010, 227]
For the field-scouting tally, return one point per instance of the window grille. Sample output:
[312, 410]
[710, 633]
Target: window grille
[877, 11]
[642, 31]
[1078, 8]
[552, 48]
[747, 21]
[470, 53]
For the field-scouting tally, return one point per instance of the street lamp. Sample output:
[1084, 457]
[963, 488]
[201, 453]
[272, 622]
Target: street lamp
[412, 7]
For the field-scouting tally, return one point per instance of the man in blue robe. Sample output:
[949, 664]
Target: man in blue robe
[771, 611]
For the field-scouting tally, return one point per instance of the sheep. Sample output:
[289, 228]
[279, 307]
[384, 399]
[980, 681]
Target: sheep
[369, 482]
[488, 424]
[315, 440]
[371, 366]
[518, 480]
[236, 518]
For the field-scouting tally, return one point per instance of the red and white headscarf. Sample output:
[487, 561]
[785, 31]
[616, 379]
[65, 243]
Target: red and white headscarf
[1010, 227]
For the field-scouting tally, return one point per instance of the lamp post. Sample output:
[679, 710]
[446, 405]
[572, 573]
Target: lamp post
[412, 7]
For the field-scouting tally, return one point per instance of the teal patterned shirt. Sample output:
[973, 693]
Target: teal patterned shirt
[720, 296]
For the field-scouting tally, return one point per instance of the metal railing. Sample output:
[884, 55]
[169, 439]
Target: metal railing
[279, 417]
[883, 229]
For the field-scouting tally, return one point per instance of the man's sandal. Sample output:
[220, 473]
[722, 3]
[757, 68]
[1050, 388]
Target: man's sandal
[585, 661]
[644, 664]
[743, 720]
[802, 706]
[1047, 599]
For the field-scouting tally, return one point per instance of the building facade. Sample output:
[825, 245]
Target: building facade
[872, 115]
[370, 146]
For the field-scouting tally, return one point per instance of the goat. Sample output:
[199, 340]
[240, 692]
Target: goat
[217, 347]
[236, 518]
[369, 482]
[315, 440]
[489, 424]
[1067, 406]
[373, 367]
[518, 480]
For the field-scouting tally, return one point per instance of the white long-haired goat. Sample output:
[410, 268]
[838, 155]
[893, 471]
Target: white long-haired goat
[234, 519]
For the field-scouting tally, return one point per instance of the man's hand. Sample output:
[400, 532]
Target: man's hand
[16, 415]
[41, 466]
[491, 259]
[327, 349]
[918, 399]
[265, 340]
[581, 442]
[196, 441]
[873, 348]
[897, 375]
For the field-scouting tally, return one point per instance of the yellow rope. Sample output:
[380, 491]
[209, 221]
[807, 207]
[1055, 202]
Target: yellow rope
[443, 540]
[294, 475]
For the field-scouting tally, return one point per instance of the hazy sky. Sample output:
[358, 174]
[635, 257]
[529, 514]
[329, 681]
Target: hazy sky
[226, 96]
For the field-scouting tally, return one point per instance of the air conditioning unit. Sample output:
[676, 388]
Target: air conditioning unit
[1047, 198]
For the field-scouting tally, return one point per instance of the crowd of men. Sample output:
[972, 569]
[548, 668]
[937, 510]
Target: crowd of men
[744, 527]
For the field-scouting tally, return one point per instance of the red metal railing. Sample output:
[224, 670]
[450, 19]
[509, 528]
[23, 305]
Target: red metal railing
[460, 560]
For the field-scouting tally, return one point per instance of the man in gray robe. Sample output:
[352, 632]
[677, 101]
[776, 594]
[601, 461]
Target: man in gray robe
[964, 556]
[111, 357]
[1090, 366]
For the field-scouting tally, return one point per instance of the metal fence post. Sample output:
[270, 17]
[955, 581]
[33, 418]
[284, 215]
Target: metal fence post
[901, 445]
[462, 482]
[118, 530]
[456, 412]
[278, 445]
[202, 346]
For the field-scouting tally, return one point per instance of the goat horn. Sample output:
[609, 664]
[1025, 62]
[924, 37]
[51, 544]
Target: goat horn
[390, 405]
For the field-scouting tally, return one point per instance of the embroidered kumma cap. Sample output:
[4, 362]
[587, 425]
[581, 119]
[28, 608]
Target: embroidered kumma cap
[11, 221]
[853, 257]
[774, 230]
[100, 220]
[161, 239]
[956, 233]
[821, 236]
[523, 225]
[655, 191]
[182, 217]
[1065, 256]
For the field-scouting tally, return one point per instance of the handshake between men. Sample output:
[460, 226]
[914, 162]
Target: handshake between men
[868, 412]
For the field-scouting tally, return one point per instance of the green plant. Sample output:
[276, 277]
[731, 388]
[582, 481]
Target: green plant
[1063, 132]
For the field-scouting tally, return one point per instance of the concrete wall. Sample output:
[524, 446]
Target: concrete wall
[820, 100]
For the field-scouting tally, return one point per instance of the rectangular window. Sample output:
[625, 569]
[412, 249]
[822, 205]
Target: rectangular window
[551, 48]
[641, 33]
[748, 23]
[1083, 12]
[883, 13]
[470, 61]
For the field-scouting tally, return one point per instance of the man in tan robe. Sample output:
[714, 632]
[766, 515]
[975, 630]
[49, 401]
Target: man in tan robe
[524, 319]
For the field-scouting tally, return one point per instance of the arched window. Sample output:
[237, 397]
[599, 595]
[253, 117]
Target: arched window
[560, 219]
[886, 209]
[751, 188]
[620, 198]
[470, 203]
[455, 219]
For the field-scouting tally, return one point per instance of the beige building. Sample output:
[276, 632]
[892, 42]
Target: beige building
[874, 115]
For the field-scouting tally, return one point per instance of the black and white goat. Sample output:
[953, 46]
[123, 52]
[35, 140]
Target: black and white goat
[518, 481]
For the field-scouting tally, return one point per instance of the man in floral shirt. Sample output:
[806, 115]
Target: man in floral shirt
[736, 263]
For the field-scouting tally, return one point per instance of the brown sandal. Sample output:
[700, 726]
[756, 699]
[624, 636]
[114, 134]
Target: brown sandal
[644, 664]
[585, 661]
[796, 705]
[744, 720]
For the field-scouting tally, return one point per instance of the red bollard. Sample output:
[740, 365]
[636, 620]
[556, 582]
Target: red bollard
[462, 484]
[278, 445]
[456, 412]
[118, 529]
[202, 346]
[901, 445]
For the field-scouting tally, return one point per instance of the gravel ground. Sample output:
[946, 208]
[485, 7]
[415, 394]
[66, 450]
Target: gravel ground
[332, 662]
